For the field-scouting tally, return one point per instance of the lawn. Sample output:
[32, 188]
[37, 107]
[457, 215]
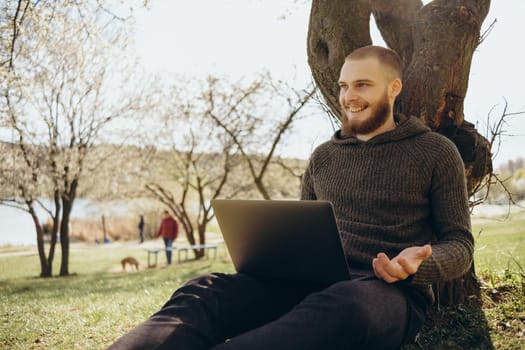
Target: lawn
[500, 243]
[99, 302]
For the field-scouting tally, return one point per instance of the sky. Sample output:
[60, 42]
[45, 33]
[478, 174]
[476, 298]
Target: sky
[236, 38]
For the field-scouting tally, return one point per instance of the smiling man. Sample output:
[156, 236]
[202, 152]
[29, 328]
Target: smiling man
[369, 82]
[399, 196]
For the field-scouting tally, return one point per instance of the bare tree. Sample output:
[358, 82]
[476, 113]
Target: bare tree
[22, 184]
[248, 121]
[495, 132]
[204, 158]
[59, 99]
[195, 163]
[14, 14]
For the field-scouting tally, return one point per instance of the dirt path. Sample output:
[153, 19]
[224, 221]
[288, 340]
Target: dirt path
[76, 246]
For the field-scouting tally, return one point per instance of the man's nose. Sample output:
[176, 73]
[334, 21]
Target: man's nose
[350, 95]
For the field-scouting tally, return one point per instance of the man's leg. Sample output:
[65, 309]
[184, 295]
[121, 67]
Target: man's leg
[168, 242]
[358, 314]
[210, 309]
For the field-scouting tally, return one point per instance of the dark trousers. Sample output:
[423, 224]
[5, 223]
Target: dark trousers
[168, 243]
[222, 312]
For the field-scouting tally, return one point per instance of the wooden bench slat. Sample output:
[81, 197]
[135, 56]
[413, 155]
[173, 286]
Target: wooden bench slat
[184, 249]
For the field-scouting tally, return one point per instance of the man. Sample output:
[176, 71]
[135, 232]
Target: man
[169, 229]
[400, 200]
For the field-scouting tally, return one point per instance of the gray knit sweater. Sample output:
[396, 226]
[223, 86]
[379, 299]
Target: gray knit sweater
[402, 188]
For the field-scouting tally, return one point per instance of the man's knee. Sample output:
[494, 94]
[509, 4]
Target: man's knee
[214, 287]
[374, 307]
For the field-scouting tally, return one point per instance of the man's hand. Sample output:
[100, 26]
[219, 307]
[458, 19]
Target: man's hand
[403, 265]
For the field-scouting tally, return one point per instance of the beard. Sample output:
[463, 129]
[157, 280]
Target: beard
[377, 118]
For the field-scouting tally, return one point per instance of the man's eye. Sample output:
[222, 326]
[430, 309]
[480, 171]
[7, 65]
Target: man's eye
[361, 84]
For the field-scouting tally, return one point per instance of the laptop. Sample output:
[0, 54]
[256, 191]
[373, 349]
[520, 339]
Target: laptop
[283, 239]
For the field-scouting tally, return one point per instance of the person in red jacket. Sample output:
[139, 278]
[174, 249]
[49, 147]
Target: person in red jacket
[169, 229]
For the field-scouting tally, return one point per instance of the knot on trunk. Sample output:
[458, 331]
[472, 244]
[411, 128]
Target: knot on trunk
[474, 150]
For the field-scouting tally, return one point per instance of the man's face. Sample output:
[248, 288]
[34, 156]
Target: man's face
[366, 96]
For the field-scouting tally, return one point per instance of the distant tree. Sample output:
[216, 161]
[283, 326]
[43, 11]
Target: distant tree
[194, 163]
[257, 128]
[58, 97]
[512, 165]
[16, 14]
[12, 17]
[22, 185]
[499, 186]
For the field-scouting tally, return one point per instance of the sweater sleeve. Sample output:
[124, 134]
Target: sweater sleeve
[453, 247]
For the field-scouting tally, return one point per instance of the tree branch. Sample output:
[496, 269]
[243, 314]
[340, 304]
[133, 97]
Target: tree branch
[395, 21]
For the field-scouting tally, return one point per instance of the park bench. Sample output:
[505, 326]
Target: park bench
[182, 252]
[153, 252]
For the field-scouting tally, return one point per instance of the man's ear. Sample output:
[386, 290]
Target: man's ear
[395, 87]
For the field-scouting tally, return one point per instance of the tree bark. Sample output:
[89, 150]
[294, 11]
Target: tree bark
[54, 231]
[436, 80]
[45, 268]
[64, 239]
[336, 28]
[67, 205]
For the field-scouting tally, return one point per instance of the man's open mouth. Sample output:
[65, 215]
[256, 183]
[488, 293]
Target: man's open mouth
[358, 109]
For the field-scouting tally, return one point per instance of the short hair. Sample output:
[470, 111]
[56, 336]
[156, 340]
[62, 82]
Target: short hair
[384, 55]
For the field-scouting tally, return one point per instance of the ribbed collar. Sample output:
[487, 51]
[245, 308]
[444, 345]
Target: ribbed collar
[406, 128]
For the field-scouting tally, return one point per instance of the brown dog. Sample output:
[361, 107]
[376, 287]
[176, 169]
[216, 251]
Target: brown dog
[131, 261]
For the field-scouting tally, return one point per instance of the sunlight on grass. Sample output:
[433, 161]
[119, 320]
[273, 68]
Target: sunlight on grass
[500, 243]
[98, 302]
[93, 306]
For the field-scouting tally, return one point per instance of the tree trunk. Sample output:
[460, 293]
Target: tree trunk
[67, 205]
[45, 268]
[336, 28]
[64, 236]
[104, 231]
[199, 253]
[435, 79]
[54, 231]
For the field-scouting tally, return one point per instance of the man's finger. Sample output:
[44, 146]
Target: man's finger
[425, 251]
[408, 267]
[379, 268]
[394, 269]
[381, 273]
[410, 262]
[387, 270]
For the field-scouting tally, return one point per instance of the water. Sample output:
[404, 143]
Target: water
[17, 227]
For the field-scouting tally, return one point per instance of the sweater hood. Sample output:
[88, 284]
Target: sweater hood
[407, 127]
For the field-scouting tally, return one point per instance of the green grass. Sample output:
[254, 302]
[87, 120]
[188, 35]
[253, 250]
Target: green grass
[500, 243]
[98, 302]
[93, 306]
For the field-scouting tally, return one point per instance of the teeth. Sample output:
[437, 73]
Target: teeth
[358, 109]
